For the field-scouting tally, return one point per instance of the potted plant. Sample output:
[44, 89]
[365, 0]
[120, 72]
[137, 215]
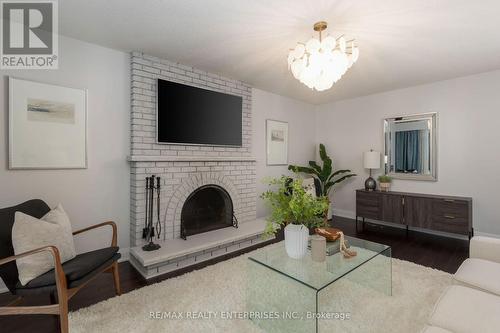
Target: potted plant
[296, 209]
[385, 182]
[325, 174]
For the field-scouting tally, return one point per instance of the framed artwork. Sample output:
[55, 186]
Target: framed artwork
[277, 142]
[47, 126]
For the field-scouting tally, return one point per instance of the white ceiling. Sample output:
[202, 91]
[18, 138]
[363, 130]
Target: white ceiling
[402, 42]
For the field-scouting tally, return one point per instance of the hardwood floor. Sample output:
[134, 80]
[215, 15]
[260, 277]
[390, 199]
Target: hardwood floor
[443, 253]
[429, 250]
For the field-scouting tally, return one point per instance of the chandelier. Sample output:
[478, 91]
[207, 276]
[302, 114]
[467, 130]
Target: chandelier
[320, 63]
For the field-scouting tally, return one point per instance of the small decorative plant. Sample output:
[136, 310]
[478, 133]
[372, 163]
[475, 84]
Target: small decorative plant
[291, 203]
[384, 179]
[385, 182]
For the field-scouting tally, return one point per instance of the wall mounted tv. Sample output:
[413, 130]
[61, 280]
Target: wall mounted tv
[190, 115]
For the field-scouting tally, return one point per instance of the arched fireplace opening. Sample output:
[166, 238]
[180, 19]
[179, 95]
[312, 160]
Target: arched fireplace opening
[208, 208]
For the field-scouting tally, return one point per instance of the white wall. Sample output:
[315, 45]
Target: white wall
[468, 140]
[301, 131]
[100, 192]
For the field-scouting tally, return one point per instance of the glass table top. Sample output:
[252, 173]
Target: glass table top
[318, 275]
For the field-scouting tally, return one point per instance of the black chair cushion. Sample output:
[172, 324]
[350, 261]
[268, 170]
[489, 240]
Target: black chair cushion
[77, 270]
[36, 208]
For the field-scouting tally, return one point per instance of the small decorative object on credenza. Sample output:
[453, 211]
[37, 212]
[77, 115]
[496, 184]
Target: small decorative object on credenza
[385, 182]
[371, 160]
[292, 205]
[149, 230]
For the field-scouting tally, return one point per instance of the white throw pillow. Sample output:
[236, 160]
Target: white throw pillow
[29, 233]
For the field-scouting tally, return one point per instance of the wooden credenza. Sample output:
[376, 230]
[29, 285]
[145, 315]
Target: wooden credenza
[426, 211]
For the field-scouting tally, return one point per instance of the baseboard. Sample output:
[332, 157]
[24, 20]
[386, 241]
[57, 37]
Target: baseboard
[344, 213]
[485, 234]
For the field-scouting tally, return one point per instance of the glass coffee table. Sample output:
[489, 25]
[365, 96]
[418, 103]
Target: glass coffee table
[290, 295]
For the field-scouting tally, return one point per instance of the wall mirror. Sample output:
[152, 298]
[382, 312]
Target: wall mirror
[411, 147]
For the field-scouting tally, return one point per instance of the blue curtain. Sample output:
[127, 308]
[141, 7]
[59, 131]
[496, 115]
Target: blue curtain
[407, 151]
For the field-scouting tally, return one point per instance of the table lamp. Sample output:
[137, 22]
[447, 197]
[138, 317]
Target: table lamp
[371, 160]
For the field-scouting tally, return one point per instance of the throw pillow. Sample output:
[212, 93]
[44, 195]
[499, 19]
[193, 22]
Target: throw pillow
[29, 233]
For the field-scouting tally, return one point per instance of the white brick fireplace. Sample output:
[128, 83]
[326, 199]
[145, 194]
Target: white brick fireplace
[183, 169]
[180, 177]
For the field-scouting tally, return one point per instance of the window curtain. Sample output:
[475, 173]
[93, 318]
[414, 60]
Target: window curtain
[407, 151]
[425, 154]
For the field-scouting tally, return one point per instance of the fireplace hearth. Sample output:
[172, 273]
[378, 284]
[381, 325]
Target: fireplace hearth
[207, 208]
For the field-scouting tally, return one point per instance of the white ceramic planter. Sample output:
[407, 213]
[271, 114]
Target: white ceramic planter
[296, 237]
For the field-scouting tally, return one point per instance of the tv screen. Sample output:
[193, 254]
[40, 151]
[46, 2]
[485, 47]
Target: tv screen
[190, 115]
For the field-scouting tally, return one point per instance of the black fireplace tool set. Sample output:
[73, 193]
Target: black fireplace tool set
[148, 232]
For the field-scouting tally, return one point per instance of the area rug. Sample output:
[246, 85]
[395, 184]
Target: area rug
[220, 289]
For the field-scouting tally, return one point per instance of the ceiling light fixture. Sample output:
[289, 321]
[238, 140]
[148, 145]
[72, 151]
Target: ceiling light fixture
[320, 63]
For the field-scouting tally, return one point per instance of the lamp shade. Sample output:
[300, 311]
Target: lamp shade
[371, 160]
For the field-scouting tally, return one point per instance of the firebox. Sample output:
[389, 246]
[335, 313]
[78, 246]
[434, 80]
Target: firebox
[208, 208]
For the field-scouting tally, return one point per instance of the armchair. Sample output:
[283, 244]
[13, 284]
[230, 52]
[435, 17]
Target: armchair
[486, 248]
[60, 283]
[472, 305]
[482, 269]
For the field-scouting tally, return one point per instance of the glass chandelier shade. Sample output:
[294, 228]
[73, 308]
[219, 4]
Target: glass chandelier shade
[319, 63]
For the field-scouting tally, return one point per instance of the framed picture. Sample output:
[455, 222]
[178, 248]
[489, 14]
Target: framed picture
[47, 126]
[277, 142]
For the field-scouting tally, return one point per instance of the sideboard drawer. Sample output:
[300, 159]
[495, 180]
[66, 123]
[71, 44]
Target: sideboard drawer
[368, 212]
[450, 223]
[368, 205]
[447, 207]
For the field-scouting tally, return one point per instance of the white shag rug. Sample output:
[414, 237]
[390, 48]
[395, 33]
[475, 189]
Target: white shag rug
[221, 289]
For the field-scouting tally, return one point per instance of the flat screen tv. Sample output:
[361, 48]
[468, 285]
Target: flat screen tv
[190, 115]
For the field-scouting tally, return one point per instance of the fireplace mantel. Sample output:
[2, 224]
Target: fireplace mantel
[190, 158]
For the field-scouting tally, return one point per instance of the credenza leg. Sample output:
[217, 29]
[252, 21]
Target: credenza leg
[363, 225]
[471, 233]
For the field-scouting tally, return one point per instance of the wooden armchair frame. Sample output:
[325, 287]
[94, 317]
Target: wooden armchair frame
[63, 293]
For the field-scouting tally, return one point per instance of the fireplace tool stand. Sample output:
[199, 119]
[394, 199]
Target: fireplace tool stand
[149, 230]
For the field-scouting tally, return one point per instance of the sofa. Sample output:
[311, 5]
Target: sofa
[472, 304]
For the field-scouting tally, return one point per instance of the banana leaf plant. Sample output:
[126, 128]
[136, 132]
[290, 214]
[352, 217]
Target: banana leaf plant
[325, 174]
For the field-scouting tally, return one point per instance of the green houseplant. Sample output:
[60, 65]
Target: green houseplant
[294, 207]
[385, 182]
[325, 174]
